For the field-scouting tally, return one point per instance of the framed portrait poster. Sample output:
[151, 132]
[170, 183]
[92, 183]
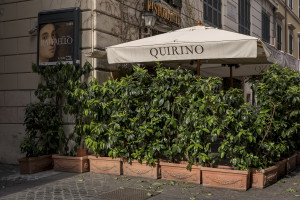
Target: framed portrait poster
[58, 37]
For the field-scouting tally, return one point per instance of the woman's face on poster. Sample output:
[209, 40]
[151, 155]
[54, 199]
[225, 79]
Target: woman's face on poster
[47, 44]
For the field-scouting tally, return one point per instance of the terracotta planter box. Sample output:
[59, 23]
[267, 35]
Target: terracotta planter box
[141, 170]
[35, 164]
[82, 152]
[105, 165]
[281, 168]
[178, 172]
[291, 163]
[298, 157]
[71, 164]
[264, 178]
[225, 178]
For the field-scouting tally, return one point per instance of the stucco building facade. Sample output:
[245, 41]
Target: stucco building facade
[108, 22]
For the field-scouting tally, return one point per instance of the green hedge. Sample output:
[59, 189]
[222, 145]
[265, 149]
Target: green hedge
[173, 115]
[170, 115]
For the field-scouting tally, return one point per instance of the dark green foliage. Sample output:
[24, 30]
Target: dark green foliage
[59, 91]
[266, 133]
[278, 97]
[176, 116]
[43, 130]
[172, 115]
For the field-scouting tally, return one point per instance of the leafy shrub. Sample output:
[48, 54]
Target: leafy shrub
[172, 115]
[266, 133]
[43, 130]
[43, 120]
[278, 95]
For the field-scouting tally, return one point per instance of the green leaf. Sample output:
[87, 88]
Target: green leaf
[187, 120]
[250, 138]
[161, 102]
[222, 154]
[206, 130]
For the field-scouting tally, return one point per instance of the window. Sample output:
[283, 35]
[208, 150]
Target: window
[244, 17]
[299, 48]
[265, 27]
[212, 13]
[291, 4]
[279, 31]
[291, 42]
[176, 3]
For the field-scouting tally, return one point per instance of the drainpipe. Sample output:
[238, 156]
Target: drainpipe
[285, 26]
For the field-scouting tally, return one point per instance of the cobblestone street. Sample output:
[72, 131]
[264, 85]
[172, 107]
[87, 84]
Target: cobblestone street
[60, 185]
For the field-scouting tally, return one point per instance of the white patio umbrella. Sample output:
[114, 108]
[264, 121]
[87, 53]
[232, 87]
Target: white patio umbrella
[205, 44]
[194, 43]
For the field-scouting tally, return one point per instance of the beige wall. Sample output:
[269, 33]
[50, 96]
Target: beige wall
[292, 17]
[257, 6]
[192, 10]
[17, 53]
[230, 15]
[104, 23]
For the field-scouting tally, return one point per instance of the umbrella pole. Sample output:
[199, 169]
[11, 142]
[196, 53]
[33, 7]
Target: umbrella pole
[198, 68]
[231, 80]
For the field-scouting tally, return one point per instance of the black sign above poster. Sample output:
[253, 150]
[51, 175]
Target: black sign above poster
[58, 36]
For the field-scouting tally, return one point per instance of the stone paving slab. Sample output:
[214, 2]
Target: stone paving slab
[61, 185]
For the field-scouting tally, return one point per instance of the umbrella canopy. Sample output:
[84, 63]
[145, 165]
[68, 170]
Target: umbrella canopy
[210, 45]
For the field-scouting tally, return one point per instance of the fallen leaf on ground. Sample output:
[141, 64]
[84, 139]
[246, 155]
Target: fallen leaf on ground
[291, 190]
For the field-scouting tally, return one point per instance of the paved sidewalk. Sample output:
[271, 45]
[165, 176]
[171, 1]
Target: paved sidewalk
[61, 185]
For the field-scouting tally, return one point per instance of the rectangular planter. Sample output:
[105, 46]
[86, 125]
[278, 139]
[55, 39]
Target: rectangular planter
[178, 172]
[264, 178]
[141, 170]
[225, 178]
[105, 165]
[35, 164]
[291, 163]
[281, 168]
[298, 157]
[71, 164]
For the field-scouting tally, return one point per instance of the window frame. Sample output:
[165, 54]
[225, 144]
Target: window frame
[265, 31]
[218, 10]
[291, 40]
[299, 9]
[298, 48]
[291, 4]
[279, 39]
[176, 3]
[244, 19]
